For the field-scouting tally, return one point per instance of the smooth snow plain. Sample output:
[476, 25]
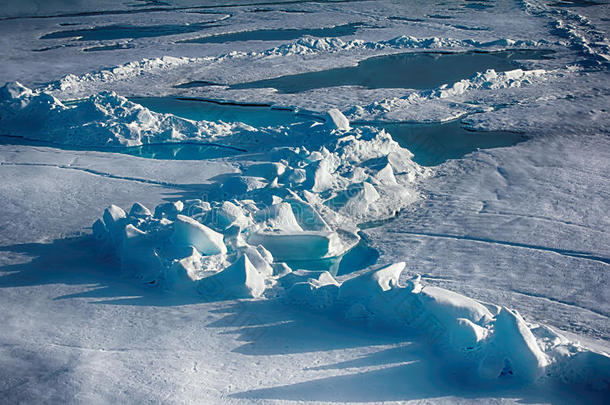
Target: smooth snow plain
[287, 246]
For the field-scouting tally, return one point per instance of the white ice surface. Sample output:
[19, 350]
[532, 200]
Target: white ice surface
[523, 226]
[512, 222]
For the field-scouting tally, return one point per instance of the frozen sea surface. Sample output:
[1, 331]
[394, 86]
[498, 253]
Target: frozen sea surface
[284, 253]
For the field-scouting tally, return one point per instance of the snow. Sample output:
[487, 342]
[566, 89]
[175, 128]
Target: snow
[188, 232]
[516, 341]
[447, 306]
[210, 279]
[104, 119]
[239, 280]
[74, 85]
[336, 120]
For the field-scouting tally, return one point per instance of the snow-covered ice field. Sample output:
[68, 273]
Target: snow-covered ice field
[241, 201]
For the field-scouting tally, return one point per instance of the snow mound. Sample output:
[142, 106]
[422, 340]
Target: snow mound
[104, 119]
[402, 108]
[583, 35]
[493, 346]
[578, 31]
[298, 206]
[311, 45]
[185, 255]
[303, 205]
[123, 72]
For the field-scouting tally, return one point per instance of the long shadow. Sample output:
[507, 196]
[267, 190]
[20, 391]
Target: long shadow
[272, 327]
[80, 261]
[416, 380]
[394, 366]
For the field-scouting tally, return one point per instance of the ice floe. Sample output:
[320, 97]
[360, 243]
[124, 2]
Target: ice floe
[301, 205]
[104, 119]
[158, 69]
[441, 102]
[296, 199]
[236, 245]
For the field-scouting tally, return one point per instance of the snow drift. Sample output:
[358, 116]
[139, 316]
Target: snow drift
[485, 341]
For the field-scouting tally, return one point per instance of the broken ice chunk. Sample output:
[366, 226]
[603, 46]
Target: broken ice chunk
[260, 258]
[588, 367]
[239, 280]
[517, 345]
[322, 177]
[279, 217]
[359, 204]
[447, 306]
[267, 170]
[371, 283]
[182, 275]
[297, 176]
[288, 246]
[188, 232]
[239, 185]
[336, 120]
[386, 176]
[313, 296]
[228, 215]
[317, 293]
[464, 334]
[99, 229]
[138, 256]
[139, 211]
[308, 217]
[169, 210]
[356, 200]
[114, 219]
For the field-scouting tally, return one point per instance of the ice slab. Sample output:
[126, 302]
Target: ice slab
[357, 258]
[189, 232]
[336, 120]
[304, 245]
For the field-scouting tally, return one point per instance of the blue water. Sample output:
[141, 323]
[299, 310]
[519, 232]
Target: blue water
[422, 70]
[195, 83]
[256, 115]
[181, 151]
[167, 151]
[575, 3]
[122, 31]
[433, 144]
[277, 34]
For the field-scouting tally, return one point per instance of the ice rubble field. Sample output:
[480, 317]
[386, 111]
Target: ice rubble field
[302, 252]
